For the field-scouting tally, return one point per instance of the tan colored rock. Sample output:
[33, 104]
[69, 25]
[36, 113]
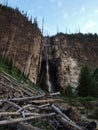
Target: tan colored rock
[20, 42]
[74, 114]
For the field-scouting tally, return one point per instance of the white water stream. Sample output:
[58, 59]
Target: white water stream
[48, 81]
[47, 74]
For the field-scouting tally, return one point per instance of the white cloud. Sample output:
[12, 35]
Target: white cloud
[65, 15]
[96, 11]
[90, 25]
[60, 3]
[82, 9]
[40, 19]
[39, 7]
[52, 0]
[74, 13]
[31, 12]
[48, 30]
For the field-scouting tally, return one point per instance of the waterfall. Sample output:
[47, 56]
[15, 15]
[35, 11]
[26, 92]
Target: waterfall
[47, 74]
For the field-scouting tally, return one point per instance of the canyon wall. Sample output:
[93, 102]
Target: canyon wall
[22, 44]
[20, 41]
[68, 53]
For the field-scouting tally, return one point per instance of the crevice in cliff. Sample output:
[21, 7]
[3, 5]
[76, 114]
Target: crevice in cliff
[52, 74]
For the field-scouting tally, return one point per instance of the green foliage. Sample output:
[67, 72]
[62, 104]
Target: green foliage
[69, 92]
[2, 128]
[95, 75]
[17, 12]
[96, 113]
[7, 67]
[35, 22]
[87, 85]
[86, 99]
[84, 81]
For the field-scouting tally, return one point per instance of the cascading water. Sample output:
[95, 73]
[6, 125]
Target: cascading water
[47, 72]
[48, 82]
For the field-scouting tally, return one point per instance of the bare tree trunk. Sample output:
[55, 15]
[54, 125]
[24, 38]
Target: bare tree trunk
[17, 113]
[65, 120]
[54, 94]
[44, 101]
[11, 121]
[14, 104]
[24, 99]
[13, 35]
[26, 126]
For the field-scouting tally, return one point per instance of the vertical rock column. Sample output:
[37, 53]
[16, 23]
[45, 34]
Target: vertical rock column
[60, 75]
[33, 68]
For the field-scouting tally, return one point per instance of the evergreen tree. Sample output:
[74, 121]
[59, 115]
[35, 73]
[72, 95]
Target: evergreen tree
[69, 92]
[87, 84]
[35, 22]
[95, 75]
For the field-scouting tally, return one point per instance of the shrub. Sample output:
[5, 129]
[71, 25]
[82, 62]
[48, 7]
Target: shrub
[86, 99]
[69, 92]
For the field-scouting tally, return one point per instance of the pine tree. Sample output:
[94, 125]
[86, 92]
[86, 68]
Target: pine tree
[86, 83]
[35, 22]
[69, 92]
[95, 75]
[84, 78]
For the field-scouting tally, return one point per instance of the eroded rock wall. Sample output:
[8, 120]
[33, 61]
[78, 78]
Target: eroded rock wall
[68, 53]
[20, 41]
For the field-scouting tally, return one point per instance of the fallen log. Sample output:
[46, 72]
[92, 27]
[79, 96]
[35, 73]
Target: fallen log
[5, 106]
[44, 101]
[54, 94]
[24, 107]
[58, 111]
[4, 84]
[24, 99]
[64, 119]
[29, 89]
[69, 125]
[25, 126]
[20, 126]
[11, 121]
[15, 83]
[44, 105]
[17, 113]
[89, 125]
[14, 104]
[49, 109]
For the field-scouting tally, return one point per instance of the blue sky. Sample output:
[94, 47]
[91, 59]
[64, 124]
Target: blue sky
[69, 16]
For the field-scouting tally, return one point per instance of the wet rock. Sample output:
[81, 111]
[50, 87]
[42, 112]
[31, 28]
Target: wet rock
[91, 104]
[94, 114]
[86, 125]
[73, 114]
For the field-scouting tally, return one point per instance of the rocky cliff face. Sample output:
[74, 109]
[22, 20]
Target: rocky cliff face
[20, 41]
[66, 54]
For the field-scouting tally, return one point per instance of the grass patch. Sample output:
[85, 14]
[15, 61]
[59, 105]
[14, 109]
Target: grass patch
[43, 124]
[86, 99]
[7, 68]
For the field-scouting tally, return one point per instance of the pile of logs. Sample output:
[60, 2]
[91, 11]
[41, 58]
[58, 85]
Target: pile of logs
[21, 105]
